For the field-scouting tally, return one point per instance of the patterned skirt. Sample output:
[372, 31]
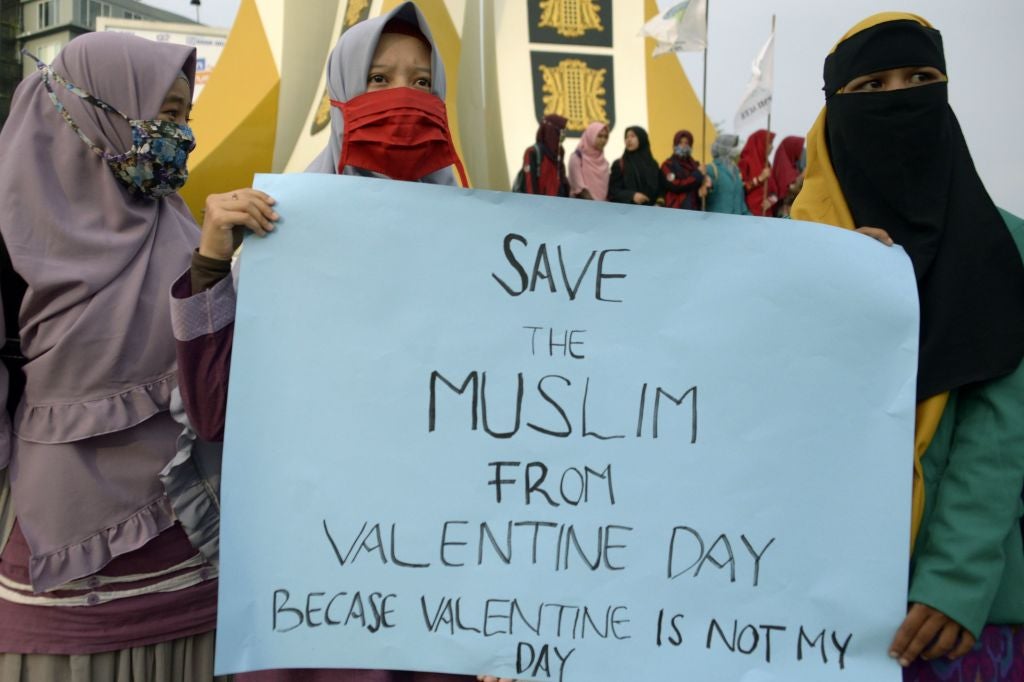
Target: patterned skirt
[997, 657]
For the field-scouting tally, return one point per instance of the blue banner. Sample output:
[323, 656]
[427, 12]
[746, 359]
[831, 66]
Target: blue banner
[552, 439]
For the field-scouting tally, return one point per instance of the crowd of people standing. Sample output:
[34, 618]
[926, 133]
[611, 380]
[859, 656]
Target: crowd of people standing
[737, 182]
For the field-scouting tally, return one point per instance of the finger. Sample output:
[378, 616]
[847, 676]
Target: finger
[915, 617]
[876, 233]
[244, 219]
[945, 642]
[263, 201]
[923, 637]
[223, 219]
[262, 196]
[267, 208]
[257, 214]
[255, 225]
[248, 194]
[967, 642]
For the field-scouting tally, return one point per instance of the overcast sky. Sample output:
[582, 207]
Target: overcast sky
[983, 55]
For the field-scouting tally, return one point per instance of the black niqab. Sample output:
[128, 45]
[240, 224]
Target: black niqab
[903, 165]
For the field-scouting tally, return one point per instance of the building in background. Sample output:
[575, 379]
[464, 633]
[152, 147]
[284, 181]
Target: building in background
[266, 109]
[10, 65]
[208, 40]
[43, 27]
[49, 25]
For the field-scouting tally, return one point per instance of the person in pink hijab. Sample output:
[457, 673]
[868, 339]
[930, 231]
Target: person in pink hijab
[588, 167]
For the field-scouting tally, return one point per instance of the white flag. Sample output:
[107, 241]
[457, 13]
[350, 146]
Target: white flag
[757, 100]
[682, 28]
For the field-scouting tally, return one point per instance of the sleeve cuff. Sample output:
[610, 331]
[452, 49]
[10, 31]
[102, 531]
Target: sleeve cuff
[209, 311]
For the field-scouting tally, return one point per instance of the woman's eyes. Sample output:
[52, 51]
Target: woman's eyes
[894, 81]
[175, 116]
[379, 79]
[868, 85]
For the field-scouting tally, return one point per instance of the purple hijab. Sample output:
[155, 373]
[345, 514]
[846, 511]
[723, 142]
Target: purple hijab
[94, 324]
[347, 70]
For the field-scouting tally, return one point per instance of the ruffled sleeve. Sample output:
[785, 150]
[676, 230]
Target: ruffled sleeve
[52, 423]
[192, 482]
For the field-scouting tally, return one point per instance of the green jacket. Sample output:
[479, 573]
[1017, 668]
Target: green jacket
[969, 560]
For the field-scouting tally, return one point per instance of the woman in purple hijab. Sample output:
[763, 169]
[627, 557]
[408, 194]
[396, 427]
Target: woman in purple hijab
[106, 567]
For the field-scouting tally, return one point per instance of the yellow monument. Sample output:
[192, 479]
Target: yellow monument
[509, 62]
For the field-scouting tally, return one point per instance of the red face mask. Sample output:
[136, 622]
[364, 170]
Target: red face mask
[399, 132]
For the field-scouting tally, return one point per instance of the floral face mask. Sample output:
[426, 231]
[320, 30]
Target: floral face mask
[157, 163]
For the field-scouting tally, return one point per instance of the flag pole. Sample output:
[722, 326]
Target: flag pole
[768, 140]
[704, 105]
[704, 88]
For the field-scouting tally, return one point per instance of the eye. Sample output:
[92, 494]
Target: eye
[376, 79]
[866, 84]
[922, 77]
[423, 83]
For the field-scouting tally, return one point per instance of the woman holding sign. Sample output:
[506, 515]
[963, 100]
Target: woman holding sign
[385, 79]
[887, 157]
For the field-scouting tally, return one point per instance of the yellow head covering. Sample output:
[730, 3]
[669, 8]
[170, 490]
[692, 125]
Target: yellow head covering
[821, 201]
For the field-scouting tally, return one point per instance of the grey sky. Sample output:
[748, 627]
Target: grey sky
[982, 54]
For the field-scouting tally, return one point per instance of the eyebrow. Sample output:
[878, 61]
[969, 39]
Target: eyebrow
[418, 69]
[175, 99]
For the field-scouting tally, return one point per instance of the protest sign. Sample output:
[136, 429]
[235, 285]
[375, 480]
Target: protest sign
[550, 439]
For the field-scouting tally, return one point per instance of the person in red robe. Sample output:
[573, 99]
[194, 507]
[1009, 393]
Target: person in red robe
[762, 192]
[544, 162]
[787, 170]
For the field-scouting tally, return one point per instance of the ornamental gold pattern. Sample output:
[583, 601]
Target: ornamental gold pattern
[323, 113]
[570, 18]
[575, 91]
[357, 11]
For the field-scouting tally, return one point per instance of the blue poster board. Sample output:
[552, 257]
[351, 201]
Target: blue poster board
[553, 439]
